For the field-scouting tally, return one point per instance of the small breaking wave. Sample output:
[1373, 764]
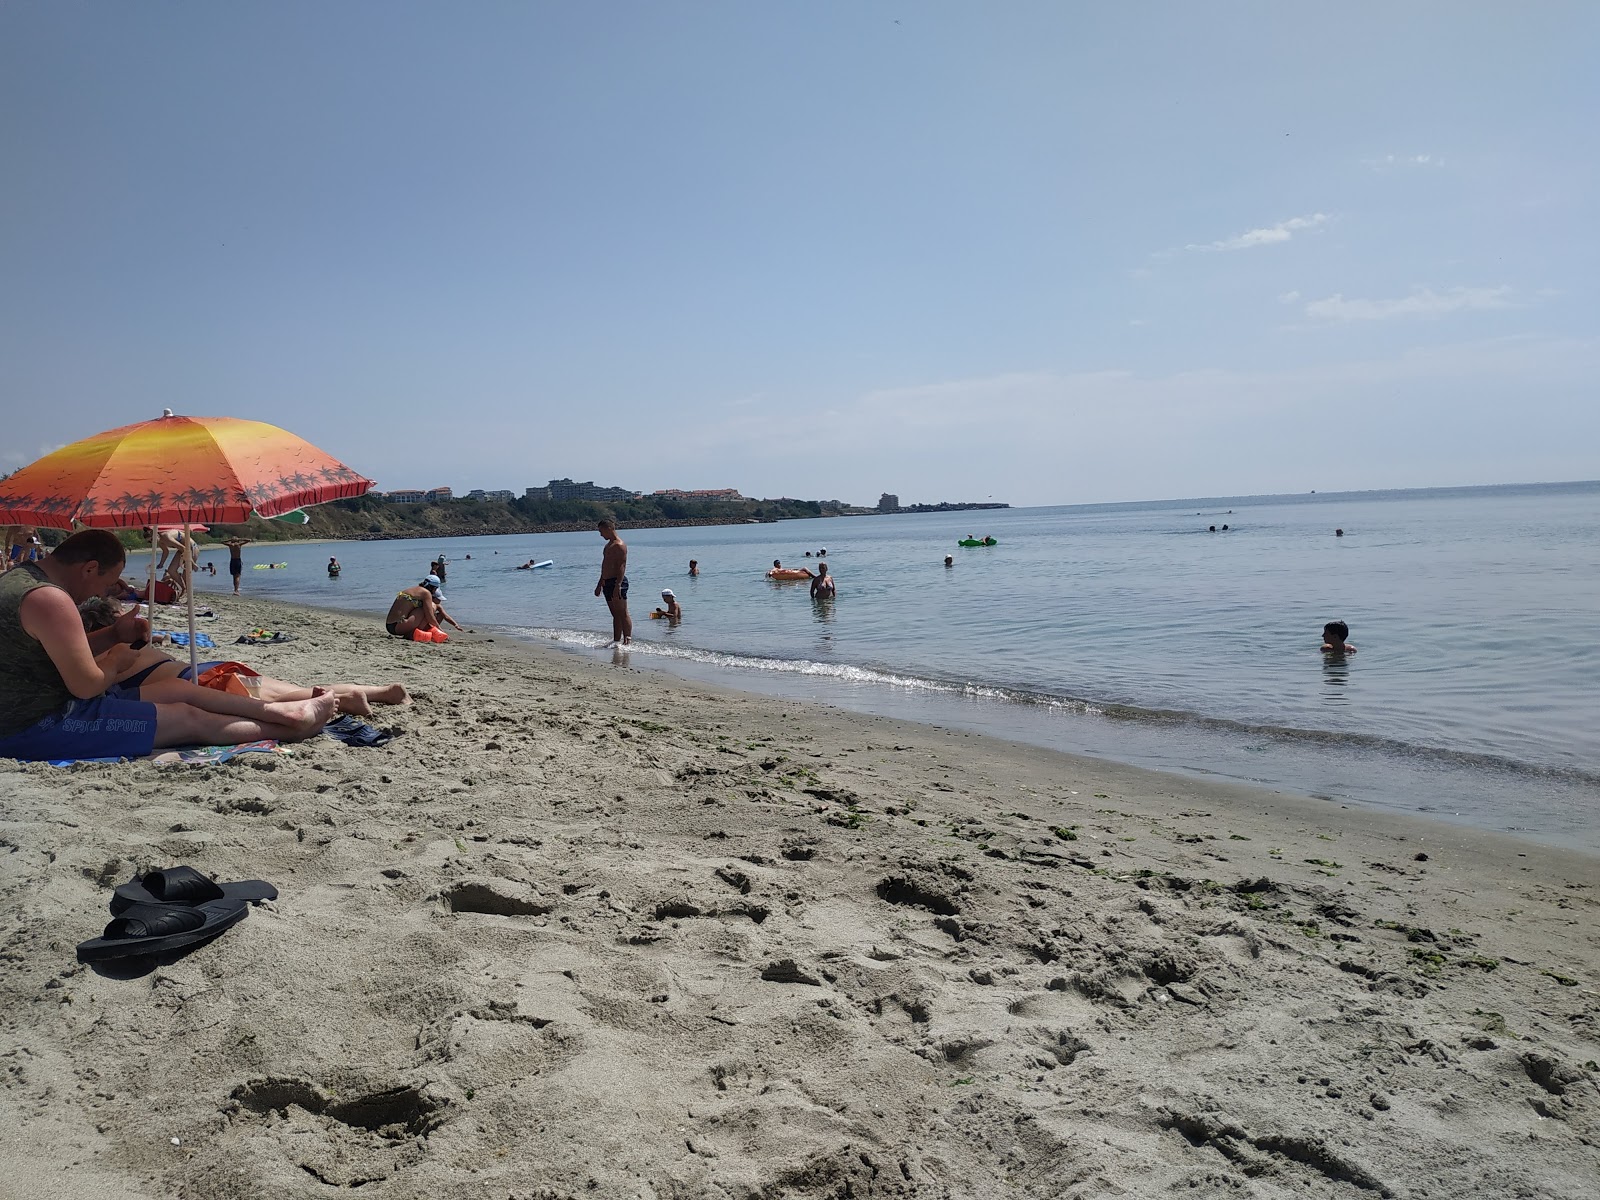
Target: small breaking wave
[1070, 706]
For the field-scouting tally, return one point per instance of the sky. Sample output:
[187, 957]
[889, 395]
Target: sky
[1042, 253]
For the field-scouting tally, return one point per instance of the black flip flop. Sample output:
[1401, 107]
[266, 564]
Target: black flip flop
[186, 886]
[158, 928]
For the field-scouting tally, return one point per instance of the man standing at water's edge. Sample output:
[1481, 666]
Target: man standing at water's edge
[614, 582]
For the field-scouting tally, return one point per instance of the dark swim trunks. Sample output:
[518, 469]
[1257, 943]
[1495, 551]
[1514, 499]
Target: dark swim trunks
[608, 586]
[235, 567]
[108, 726]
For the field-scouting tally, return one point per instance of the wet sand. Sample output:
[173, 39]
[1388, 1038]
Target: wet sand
[589, 931]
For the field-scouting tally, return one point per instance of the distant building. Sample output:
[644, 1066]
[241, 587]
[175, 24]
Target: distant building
[566, 489]
[439, 493]
[405, 496]
[888, 502]
[501, 494]
[536, 493]
[715, 495]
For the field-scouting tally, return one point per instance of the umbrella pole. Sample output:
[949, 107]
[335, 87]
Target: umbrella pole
[188, 587]
[150, 588]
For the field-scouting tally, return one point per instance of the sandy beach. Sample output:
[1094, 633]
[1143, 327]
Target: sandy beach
[589, 931]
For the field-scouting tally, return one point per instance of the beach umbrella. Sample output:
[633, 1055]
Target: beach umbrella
[178, 471]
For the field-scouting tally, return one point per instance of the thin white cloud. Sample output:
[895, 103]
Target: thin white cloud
[1422, 302]
[1391, 162]
[1267, 236]
[1288, 297]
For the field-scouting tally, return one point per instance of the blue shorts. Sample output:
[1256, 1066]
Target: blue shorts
[109, 726]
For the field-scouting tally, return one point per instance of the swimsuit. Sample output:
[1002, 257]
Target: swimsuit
[395, 630]
[608, 586]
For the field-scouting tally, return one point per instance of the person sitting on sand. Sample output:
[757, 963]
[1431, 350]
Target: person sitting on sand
[673, 612]
[58, 693]
[419, 607]
[1333, 638]
[822, 584]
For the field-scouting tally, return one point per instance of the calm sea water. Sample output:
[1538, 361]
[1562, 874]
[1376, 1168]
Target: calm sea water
[1127, 631]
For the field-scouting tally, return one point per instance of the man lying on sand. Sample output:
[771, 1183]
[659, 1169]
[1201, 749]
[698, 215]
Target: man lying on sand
[58, 693]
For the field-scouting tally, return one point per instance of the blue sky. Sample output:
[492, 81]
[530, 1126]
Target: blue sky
[1045, 252]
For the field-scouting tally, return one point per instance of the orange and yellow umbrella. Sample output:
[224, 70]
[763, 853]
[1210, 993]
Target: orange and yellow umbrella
[176, 471]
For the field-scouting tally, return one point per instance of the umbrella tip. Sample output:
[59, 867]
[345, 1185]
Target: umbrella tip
[166, 412]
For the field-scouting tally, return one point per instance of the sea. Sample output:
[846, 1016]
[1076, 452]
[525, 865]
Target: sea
[1181, 635]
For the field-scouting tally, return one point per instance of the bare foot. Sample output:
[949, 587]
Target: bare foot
[390, 694]
[306, 717]
[353, 700]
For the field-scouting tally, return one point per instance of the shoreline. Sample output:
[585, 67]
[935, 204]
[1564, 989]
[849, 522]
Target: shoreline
[1046, 722]
[589, 930]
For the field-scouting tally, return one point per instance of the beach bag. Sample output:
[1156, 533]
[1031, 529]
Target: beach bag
[165, 593]
[231, 677]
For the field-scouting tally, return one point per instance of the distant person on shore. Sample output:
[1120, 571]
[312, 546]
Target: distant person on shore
[1333, 638]
[414, 608]
[822, 584]
[673, 612]
[949, 560]
[235, 562]
[613, 583]
[334, 568]
[694, 566]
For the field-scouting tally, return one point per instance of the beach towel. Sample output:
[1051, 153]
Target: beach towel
[264, 637]
[202, 640]
[198, 756]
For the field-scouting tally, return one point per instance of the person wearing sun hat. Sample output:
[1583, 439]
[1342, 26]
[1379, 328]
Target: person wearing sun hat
[673, 611]
[417, 608]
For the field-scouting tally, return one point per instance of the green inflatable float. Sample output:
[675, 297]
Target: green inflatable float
[972, 541]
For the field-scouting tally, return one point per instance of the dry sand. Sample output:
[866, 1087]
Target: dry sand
[585, 931]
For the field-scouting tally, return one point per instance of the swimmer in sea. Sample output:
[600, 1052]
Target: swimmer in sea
[949, 560]
[694, 566]
[822, 586]
[673, 612]
[1333, 638]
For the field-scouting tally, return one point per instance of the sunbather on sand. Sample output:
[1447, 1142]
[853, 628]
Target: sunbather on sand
[155, 666]
[59, 700]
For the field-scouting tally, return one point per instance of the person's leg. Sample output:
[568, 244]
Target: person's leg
[292, 720]
[354, 698]
[621, 622]
[186, 725]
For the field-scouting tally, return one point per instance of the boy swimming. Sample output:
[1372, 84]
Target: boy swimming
[1333, 638]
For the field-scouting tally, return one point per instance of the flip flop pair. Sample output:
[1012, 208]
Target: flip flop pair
[173, 909]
